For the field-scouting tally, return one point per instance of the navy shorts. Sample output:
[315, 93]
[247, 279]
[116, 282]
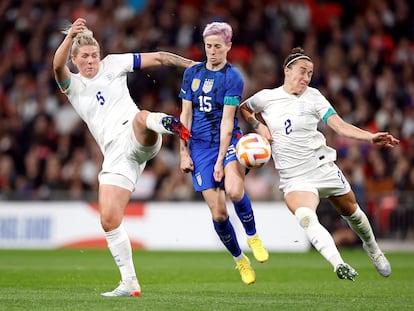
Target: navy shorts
[204, 160]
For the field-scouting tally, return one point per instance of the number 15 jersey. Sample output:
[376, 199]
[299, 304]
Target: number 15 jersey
[209, 91]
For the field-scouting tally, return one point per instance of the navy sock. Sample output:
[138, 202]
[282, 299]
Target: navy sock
[227, 235]
[245, 213]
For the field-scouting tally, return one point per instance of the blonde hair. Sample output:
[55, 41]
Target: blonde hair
[81, 39]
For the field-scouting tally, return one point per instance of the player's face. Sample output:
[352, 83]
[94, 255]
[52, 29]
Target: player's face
[298, 77]
[87, 60]
[216, 50]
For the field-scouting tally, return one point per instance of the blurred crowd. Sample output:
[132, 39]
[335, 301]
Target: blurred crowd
[363, 53]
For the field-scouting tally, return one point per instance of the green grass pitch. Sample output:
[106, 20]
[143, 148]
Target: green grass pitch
[74, 279]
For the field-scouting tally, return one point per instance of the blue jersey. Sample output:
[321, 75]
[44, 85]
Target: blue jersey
[209, 91]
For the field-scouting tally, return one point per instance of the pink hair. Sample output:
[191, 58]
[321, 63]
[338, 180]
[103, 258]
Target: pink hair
[221, 29]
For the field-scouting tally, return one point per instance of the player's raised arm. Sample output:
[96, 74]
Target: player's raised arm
[345, 129]
[164, 59]
[62, 54]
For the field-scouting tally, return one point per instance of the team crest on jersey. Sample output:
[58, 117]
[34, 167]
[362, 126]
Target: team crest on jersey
[195, 84]
[110, 76]
[208, 85]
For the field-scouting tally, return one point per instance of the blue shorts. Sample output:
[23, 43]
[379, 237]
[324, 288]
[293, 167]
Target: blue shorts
[204, 160]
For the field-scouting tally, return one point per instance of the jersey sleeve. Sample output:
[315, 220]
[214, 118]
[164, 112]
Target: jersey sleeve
[185, 91]
[322, 106]
[255, 102]
[122, 63]
[234, 91]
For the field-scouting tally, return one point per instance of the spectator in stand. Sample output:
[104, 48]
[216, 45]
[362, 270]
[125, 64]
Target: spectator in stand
[30, 33]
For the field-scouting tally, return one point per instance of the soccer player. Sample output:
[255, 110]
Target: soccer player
[305, 163]
[211, 93]
[128, 137]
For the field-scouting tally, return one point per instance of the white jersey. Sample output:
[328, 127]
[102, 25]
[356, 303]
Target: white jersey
[297, 145]
[98, 100]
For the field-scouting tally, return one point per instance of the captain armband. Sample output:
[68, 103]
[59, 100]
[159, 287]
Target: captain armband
[328, 113]
[64, 84]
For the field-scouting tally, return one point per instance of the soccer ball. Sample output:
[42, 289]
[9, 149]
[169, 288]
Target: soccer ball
[253, 150]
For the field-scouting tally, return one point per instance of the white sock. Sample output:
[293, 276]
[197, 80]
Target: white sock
[359, 223]
[241, 256]
[318, 235]
[120, 247]
[154, 122]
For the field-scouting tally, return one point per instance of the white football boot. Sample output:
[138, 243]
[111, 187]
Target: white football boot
[125, 289]
[381, 263]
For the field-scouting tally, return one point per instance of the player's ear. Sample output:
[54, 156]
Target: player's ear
[72, 58]
[229, 45]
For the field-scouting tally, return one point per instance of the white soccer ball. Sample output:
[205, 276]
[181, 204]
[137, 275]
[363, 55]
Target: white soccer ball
[253, 150]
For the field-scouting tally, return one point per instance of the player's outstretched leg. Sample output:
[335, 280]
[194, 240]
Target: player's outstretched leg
[345, 271]
[125, 289]
[359, 223]
[175, 126]
[165, 124]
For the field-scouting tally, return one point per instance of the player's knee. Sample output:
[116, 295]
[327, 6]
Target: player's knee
[141, 119]
[306, 216]
[219, 214]
[234, 193]
[109, 223]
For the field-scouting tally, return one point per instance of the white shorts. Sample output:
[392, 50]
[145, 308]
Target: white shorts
[125, 159]
[325, 181]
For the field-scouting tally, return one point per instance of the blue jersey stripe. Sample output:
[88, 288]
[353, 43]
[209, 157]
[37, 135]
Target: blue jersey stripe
[137, 61]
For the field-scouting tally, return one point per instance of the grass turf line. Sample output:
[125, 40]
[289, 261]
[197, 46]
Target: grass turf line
[74, 279]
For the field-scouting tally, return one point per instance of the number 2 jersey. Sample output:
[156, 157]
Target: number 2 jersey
[209, 91]
[297, 145]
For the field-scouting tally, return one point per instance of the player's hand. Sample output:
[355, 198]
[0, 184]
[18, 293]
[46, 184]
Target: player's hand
[264, 131]
[384, 139]
[77, 27]
[186, 164]
[218, 172]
